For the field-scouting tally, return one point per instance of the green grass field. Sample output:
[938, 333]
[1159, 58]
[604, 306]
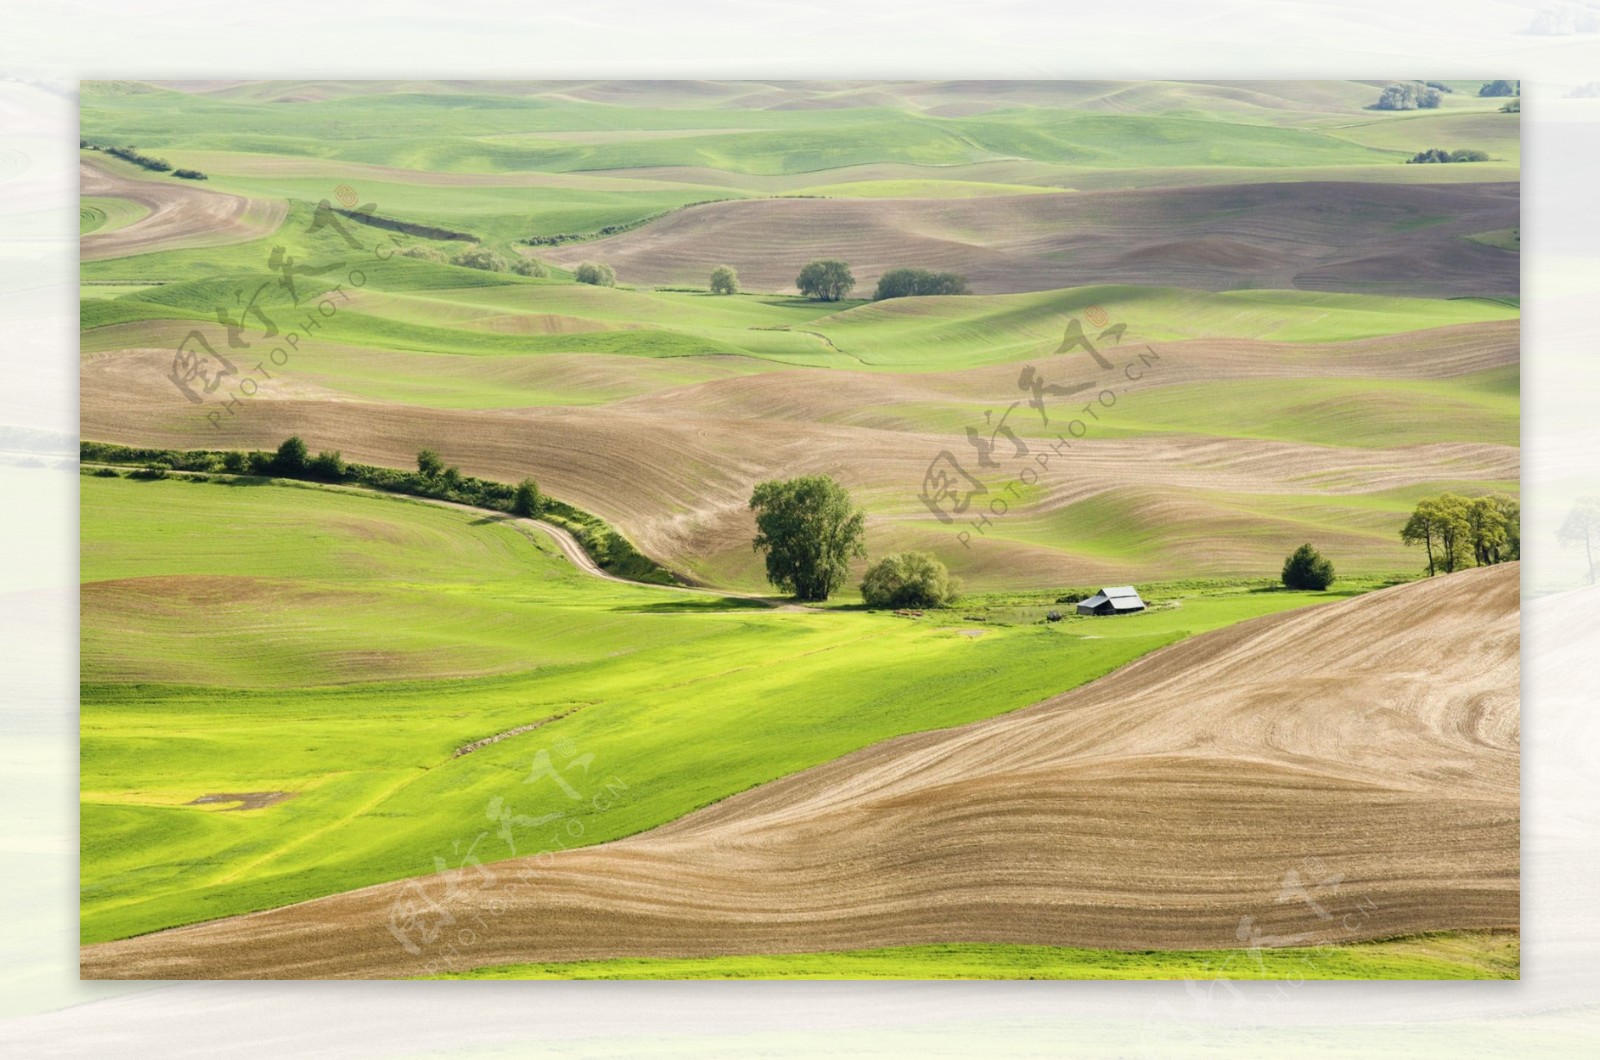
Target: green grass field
[1463, 955]
[341, 646]
[105, 214]
[328, 652]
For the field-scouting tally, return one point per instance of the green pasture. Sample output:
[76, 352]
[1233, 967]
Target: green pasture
[107, 214]
[1454, 955]
[247, 637]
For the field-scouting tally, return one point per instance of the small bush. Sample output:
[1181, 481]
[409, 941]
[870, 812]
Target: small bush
[480, 258]
[424, 253]
[235, 461]
[907, 579]
[327, 466]
[189, 174]
[530, 267]
[107, 472]
[429, 463]
[1307, 569]
[596, 274]
[526, 501]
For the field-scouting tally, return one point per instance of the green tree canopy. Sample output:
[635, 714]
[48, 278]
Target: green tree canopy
[724, 280]
[810, 531]
[480, 258]
[906, 283]
[1306, 568]
[599, 275]
[527, 501]
[907, 579]
[429, 463]
[291, 458]
[827, 280]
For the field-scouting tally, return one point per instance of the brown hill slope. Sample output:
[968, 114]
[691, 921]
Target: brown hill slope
[1374, 740]
[1402, 240]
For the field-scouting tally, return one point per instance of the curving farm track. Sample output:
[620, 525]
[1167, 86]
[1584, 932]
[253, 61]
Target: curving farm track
[1374, 740]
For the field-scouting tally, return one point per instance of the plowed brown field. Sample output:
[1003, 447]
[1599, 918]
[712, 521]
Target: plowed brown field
[1374, 740]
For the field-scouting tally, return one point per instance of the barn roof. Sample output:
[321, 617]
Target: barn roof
[1120, 597]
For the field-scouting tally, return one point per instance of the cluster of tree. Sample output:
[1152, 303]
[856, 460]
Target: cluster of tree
[1501, 88]
[906, 283]
[826, 280]
[724, 280]
[1513, 107]
[810, 530]
[189, 174]
[1409, 95]
[1306, 568]
[1582, 527]
[597, 274]
[1439, 154]
[293, 459]
[481, 257]
[1460, 532]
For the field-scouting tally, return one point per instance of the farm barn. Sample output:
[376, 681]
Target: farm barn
[1117, 600]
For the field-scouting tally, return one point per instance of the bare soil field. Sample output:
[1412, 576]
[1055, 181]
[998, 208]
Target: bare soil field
[673, 468]
[1369, 746]
[181, 215]
[1398, 239]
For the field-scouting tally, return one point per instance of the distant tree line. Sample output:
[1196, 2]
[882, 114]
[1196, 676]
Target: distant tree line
[389, 224]
[144, 161]
[1461, 532]
[1439, 154]
[432, 479]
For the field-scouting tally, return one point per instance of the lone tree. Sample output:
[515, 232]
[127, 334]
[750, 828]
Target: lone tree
[429, 463]
[598, 275]
[724, 280]
[527, 501]
[827, 280]
[1307, 569]
[810, 531]
[1582, 527]
[907, 579]
[291, 458]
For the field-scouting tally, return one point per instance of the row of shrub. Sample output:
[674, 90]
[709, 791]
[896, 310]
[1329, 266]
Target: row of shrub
[432, 479]
[1439, 154]
[144, 161]
[478, 257]
[607, 230]
[407, 227]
